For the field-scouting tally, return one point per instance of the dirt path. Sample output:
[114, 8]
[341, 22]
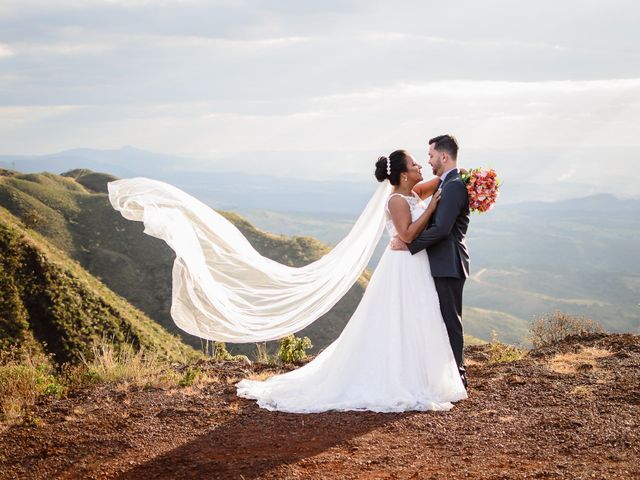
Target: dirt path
[572, 411]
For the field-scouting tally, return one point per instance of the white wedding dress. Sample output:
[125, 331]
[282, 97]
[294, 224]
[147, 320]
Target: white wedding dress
[392, 356]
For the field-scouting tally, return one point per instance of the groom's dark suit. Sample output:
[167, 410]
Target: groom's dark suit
[448, 256]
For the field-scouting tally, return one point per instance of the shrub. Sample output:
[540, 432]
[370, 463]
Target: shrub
[220, 352]
[292, 349]
[553, 327]
[23, 379]
[78, 376]
[190, 376]
[32, 219]
[503, 353]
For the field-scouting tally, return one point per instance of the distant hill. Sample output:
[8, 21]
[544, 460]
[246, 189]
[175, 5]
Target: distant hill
[92, 181]
[49, 302]
[578, 255]
[263, 180]
[222, 189]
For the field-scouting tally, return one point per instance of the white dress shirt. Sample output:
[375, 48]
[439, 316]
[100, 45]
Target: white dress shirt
[444, 175]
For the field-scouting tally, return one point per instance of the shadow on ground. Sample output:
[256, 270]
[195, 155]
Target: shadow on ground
[257, 441]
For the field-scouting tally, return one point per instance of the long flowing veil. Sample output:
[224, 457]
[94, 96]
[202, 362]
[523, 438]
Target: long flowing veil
[223, 289]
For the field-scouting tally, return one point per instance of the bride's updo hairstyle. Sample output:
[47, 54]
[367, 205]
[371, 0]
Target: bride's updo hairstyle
[398, 163]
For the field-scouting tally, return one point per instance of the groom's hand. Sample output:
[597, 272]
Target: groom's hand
[397, 244]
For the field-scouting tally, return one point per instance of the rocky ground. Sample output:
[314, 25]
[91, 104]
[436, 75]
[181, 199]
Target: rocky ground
[568, 411]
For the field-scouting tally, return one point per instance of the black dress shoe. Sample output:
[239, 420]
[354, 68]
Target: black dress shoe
[463, 377]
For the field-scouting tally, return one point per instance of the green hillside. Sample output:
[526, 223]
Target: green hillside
[49, 302]
[73, 212]
[82, 224]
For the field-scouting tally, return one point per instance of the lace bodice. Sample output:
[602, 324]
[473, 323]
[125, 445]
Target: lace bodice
[416, 205]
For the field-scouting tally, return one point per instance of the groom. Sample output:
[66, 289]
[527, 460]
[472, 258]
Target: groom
[443, 238]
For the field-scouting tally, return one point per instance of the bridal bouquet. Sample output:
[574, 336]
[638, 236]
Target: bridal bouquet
[483, 187]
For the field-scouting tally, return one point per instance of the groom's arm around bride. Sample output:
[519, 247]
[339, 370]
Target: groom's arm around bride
[444, 240]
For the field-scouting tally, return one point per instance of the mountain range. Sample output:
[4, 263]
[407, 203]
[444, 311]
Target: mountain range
[528, 258]
[235, 182]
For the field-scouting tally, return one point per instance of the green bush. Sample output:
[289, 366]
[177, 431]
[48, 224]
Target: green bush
[189, 377]
[292, 349]
[503, 353]
[220, 352]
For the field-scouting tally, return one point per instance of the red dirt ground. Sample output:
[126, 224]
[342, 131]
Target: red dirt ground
[568, 411]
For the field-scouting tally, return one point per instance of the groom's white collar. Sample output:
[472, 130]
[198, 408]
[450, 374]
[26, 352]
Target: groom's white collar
[444, 175]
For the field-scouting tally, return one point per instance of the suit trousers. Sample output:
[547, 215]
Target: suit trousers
[450, 295]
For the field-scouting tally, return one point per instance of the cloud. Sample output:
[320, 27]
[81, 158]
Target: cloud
[13, 5]
[486, 113]
[346, 80]
[483, 114]
[6, 50]
[13, 119]
[38, 49]
[216, 43]
[488, 88]
[567, 175]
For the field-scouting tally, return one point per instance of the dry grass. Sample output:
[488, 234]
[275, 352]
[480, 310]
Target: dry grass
[260, 376]
[261, 353]
[583, 361]
[125, 366]
[472, 363]
[26, 375]
[583, 391]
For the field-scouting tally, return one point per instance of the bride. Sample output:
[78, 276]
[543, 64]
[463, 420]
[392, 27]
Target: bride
[394, 353]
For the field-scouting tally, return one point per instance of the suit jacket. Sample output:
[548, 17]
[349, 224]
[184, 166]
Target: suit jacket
[444, 236]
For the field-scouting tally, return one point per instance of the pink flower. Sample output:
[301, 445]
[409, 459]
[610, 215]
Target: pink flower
[483, 189]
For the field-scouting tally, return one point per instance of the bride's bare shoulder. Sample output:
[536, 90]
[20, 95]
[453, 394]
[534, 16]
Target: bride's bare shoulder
[397, 203]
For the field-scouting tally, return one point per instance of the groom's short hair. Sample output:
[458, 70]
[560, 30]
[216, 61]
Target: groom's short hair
[446, 143]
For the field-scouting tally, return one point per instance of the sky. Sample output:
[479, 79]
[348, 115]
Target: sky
[319, 89]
